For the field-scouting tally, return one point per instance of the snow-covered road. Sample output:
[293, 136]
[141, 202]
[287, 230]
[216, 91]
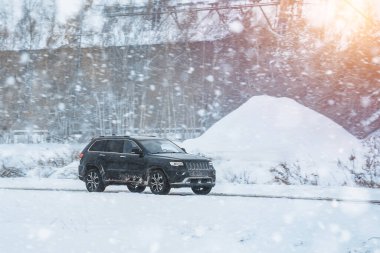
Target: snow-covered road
[271, 195]
[72, 220]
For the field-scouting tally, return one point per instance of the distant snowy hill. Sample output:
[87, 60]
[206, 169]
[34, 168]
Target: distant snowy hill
[267, 131]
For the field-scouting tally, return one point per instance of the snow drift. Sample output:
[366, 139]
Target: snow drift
[266, 132]
[38, 160]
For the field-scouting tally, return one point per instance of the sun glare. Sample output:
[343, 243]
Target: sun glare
[342, 17]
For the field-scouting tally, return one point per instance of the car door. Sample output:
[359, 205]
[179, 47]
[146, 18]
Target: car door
[115, 166]
[135, 162]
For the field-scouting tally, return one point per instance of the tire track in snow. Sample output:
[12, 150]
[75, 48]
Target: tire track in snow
[358, 201]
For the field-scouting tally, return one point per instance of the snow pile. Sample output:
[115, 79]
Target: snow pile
[272, 139]
[38, 160]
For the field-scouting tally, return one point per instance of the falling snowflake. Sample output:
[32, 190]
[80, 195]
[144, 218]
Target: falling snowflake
[236, 26]
[61, 106]
[24, 58]
[331, 102]
[10, 80]
[217, 93]
[365, 101]
[376, 60]
[201, 112]
[210, 78]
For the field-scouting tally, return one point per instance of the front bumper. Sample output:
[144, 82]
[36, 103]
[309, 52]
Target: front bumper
[194, 181]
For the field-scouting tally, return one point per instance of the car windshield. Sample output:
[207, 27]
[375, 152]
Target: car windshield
[160, 146]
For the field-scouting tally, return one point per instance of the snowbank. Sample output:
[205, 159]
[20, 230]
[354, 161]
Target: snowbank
[271, 139]
[37, 160]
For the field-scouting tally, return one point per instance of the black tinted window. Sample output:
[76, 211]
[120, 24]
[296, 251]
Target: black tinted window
[115, 146]
[160, 146]
[129, 145]
[98, 146]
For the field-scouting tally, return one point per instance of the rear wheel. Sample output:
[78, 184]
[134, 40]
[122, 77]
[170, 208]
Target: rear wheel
[201, 190]
[158, 183]
[136, 188]
[94, 182]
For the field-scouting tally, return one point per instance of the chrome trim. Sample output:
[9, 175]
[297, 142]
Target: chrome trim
[198, 165]
[187, 179]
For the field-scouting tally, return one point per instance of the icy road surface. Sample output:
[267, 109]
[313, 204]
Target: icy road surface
[72, 220]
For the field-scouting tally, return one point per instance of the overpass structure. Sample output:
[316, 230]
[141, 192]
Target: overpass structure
[158, 11]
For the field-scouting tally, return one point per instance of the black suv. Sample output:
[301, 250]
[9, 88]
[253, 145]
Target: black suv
[143, 161]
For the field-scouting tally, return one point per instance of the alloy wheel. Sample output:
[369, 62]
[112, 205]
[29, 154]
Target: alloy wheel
[93, 182]
[158, 183]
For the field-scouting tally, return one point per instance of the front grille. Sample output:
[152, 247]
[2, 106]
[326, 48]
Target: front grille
[198, 165]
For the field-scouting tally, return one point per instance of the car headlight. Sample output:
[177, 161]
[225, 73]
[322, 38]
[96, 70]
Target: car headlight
[176, 164]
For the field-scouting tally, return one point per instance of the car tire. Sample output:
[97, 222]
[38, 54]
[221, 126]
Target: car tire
[136, 188]
[201, 190]
[94, 182]
[158, 183]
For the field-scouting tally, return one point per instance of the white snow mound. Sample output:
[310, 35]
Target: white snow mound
[267, 131]
[38, 160]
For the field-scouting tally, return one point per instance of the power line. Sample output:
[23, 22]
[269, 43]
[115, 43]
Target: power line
[359, 12]
[114, 11]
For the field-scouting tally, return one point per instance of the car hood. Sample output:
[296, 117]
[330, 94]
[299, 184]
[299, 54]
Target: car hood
[180, 156]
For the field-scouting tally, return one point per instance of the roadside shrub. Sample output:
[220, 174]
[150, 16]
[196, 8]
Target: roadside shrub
[291, 174]
[367, 174]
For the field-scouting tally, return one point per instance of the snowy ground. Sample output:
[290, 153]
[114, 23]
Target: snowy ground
[72, 220]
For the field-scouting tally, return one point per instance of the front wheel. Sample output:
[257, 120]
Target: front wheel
[136, 188]
[201, 190]
[94, 182]
[158, 183]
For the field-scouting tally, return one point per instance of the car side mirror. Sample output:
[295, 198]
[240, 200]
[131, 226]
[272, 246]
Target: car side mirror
[137, 151]
[184, 150]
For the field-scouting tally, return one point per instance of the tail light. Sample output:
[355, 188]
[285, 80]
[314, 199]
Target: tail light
[81, 155]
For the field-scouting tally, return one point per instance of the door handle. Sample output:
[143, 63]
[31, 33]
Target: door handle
[123, 156]
[102, 155]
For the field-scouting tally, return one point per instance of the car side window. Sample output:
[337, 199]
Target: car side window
[98, 146]
[115, 146]
[129, 145]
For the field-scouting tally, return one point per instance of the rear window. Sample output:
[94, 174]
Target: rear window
[98, 146]
[115, 146]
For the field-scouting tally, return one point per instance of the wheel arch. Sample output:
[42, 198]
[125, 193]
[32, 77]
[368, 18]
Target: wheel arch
[153, 168]
[91, 166]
